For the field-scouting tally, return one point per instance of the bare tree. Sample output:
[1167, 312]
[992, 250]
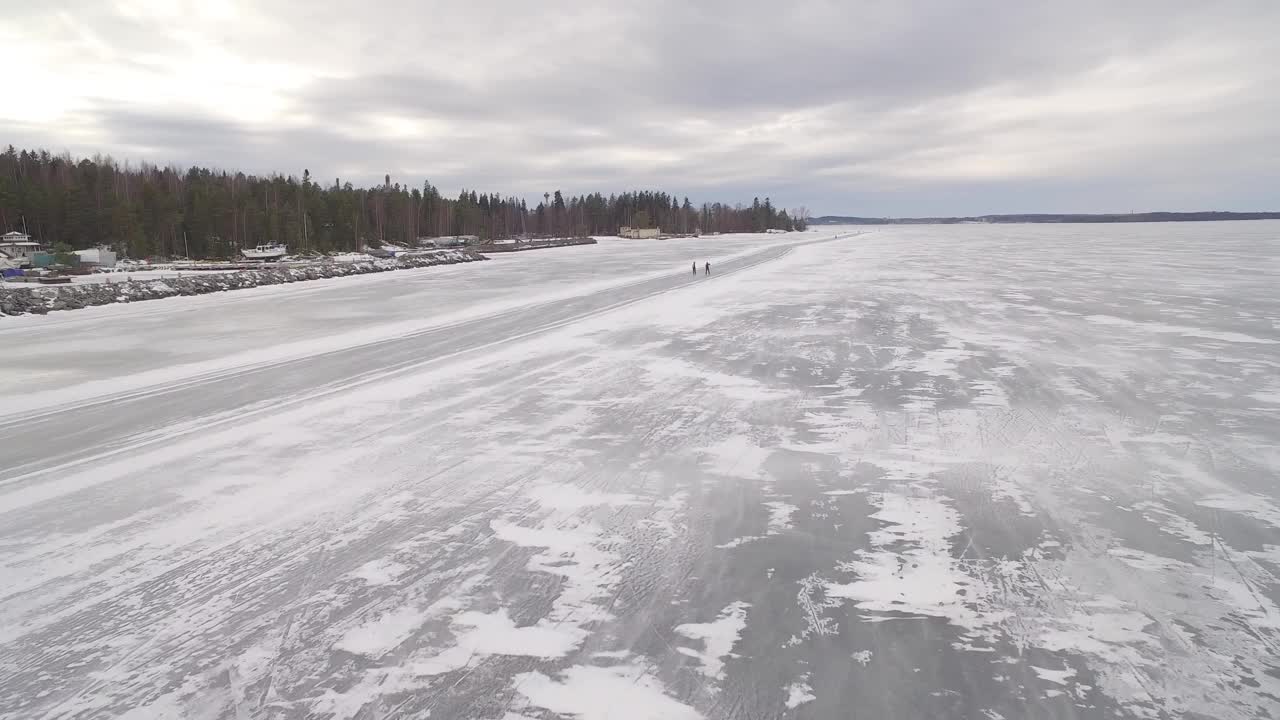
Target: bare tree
[800, 217]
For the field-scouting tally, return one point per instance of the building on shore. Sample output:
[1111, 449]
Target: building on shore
[20, 248]
[635, 233]
[99, 257]
[452, 241]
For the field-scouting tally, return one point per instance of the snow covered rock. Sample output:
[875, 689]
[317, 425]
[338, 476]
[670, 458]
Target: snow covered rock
[40, 300]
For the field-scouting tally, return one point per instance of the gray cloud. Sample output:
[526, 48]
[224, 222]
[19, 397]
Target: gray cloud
[877, 107]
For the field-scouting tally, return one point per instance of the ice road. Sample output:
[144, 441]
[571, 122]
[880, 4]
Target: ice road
[926, 472]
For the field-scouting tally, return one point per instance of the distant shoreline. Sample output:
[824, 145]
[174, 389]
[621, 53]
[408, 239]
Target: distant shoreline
[1049, 218]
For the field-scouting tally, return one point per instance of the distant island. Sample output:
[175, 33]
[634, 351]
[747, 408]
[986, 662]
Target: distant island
[1049, 218]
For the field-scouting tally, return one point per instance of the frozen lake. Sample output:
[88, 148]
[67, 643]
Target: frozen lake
[935, 471]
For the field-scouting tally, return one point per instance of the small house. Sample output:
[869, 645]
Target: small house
[20, 248]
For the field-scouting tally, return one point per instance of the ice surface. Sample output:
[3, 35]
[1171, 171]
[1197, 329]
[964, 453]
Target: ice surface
[944, 457]
[737, 456]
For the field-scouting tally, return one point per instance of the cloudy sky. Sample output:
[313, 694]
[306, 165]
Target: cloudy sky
[874, 107]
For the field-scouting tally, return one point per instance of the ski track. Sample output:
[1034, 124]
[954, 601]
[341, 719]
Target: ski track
[967, 471]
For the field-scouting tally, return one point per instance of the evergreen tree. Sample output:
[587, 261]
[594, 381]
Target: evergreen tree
[145, 210]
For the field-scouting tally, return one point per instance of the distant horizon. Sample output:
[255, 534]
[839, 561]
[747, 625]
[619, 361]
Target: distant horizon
[1050, 214]
[1049, 218]
[712, 195]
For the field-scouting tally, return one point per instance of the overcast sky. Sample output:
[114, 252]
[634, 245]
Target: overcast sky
[884, 107]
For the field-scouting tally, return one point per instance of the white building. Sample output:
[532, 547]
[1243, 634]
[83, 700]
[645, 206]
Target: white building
[635, 233]
[20, 247]
[99, 256]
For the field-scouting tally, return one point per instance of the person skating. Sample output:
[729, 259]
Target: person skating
[695, 269]
[707, 269]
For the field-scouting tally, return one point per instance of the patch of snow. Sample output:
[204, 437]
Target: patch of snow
[1139, 560]
[737, 456]
[1054, 676]
[779, 519]
[587, 692]
[383, 634]
[799, 693]
[939, 362]
[718, 637]
[569, 497]
[911, 570]
[739, 541]
[1113, 637]
[379, 572]
[571, 553]
[496, 634]
[1173, 524]
[1255, 506]
[1183, 330]
[779, 516]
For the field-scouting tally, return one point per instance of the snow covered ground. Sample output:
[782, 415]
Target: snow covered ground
[965, 471]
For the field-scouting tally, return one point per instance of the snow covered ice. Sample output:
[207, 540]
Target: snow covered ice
[938, 471]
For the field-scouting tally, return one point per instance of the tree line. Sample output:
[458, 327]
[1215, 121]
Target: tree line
[147, 211]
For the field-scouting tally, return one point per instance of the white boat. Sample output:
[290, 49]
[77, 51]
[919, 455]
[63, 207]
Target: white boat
[265, 252]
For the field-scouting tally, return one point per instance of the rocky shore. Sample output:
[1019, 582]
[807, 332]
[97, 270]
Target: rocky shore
[20, 300]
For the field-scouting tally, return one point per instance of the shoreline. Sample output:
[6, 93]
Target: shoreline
[42, 299]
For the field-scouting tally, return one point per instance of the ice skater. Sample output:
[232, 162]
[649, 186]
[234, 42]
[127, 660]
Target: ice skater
[706, 270]
[695, 269]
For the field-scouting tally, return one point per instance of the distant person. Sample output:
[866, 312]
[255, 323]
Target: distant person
[707, 269]
[695, 269]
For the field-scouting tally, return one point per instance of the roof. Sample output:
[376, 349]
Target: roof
[14, 234]
[19, 243]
